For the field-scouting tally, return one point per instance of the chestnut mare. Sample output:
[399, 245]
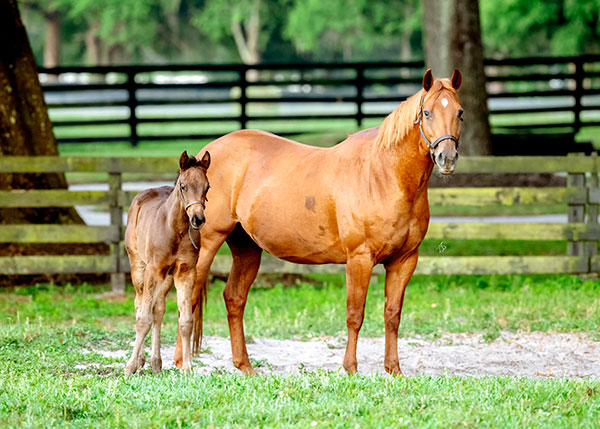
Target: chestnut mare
[360, 203]
[162, 242]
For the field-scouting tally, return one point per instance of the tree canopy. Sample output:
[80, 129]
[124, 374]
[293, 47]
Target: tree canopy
[213, 31]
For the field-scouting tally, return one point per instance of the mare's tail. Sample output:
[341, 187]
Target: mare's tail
[198, 316]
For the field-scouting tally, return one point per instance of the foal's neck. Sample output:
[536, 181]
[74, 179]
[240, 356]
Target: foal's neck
[176, 215]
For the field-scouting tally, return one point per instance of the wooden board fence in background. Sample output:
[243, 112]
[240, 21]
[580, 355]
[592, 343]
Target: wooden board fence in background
[582, 196]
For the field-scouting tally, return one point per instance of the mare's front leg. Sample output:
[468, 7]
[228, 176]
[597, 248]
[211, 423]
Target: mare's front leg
[358, 275]
[246, 261]
[397, 274]
[159, 311]
[144, 316]
[184, 283]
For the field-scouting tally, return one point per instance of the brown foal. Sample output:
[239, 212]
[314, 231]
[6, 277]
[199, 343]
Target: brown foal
[362, 202]
[162, 240]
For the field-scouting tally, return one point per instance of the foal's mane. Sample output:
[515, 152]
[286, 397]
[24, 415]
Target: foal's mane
[398, 124]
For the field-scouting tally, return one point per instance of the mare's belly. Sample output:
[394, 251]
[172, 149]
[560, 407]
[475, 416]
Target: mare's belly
[297, 237]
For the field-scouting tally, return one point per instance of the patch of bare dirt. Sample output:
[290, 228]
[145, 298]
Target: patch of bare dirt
[532, 355]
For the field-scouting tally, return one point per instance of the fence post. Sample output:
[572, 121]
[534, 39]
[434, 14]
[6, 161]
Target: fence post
[360, 85]
[579, 74]
[115, 181]
[592, 215]
[576, 212]
[132, 104]
[243, 97]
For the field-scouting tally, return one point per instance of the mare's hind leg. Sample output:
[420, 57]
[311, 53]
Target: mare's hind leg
[158, 313]
[246, 261]
[211, 242]
[144, 317]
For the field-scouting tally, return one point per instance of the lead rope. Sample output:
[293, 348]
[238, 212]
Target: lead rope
[185, 208]
[191, 239]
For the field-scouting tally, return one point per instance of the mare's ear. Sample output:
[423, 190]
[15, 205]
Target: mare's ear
[184, 161]
[427, 80]
[456, 79]
[205, 162]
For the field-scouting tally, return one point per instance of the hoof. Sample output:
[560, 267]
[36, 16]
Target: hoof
[130, 368]
[350, 369]
[394, 370]
[141, 360]
[156, 365]
[248, 371]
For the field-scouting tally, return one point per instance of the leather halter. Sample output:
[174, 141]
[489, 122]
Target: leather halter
[185, 208]
[437, 141]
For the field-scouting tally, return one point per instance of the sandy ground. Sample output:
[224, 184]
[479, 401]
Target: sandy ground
[536, 355]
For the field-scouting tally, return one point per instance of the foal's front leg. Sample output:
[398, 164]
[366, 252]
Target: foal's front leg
[158, 313]
[397, 275]
[358, 274]
[184, 283]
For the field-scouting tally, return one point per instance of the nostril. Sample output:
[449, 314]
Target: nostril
[441, 159]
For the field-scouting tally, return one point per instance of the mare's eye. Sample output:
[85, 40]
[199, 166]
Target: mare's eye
[426, 113]
[460, 113]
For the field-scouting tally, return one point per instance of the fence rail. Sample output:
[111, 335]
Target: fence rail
[581, 196]
[559, 94]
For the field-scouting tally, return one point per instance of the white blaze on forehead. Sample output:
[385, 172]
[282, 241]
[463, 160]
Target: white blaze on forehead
[444, 102]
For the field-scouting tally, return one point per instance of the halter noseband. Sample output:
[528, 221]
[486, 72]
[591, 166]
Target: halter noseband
[437, 141]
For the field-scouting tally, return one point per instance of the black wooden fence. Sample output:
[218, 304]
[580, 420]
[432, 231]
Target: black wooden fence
[181, 102]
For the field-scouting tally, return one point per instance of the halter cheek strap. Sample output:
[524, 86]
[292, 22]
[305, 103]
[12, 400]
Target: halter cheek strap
[437, 141]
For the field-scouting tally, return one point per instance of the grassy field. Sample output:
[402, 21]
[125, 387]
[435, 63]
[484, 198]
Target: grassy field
[51, 377]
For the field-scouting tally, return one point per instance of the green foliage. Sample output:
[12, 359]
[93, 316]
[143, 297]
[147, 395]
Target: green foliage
[555, 27]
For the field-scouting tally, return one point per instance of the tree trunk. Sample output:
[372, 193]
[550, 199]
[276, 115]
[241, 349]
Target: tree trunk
[25, 128]
[453, 40]
[52, 42]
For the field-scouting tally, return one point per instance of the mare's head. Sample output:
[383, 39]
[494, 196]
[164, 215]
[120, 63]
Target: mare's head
[192, 186]
[439, 119]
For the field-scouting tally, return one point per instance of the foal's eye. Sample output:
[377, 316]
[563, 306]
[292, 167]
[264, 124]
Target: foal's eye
[183, 187]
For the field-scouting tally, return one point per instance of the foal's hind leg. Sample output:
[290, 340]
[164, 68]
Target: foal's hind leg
[246, 261]
[143, 317]
[138, 268]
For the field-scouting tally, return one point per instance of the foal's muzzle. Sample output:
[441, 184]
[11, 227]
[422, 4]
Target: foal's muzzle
[197, 221]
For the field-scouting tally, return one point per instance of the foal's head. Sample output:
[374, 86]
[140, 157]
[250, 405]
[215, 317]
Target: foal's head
[192, 186]
[439, 120]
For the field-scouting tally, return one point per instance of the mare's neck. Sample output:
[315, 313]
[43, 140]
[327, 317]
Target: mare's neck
[176, 216]
[406, 162]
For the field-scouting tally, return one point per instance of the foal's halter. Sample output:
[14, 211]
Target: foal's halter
[437, 141]
[191, 203]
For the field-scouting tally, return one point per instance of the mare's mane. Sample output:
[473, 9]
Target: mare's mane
[398, 124]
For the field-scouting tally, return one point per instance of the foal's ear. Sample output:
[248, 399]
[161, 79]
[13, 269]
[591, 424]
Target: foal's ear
[205, 161]
[427, 80]
[184, 161]
[456, 79]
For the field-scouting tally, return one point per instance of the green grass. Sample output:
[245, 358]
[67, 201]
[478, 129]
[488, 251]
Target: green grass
[50, 375]
[433, 304]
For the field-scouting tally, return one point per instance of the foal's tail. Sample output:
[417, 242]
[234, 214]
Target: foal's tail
[198, 313]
